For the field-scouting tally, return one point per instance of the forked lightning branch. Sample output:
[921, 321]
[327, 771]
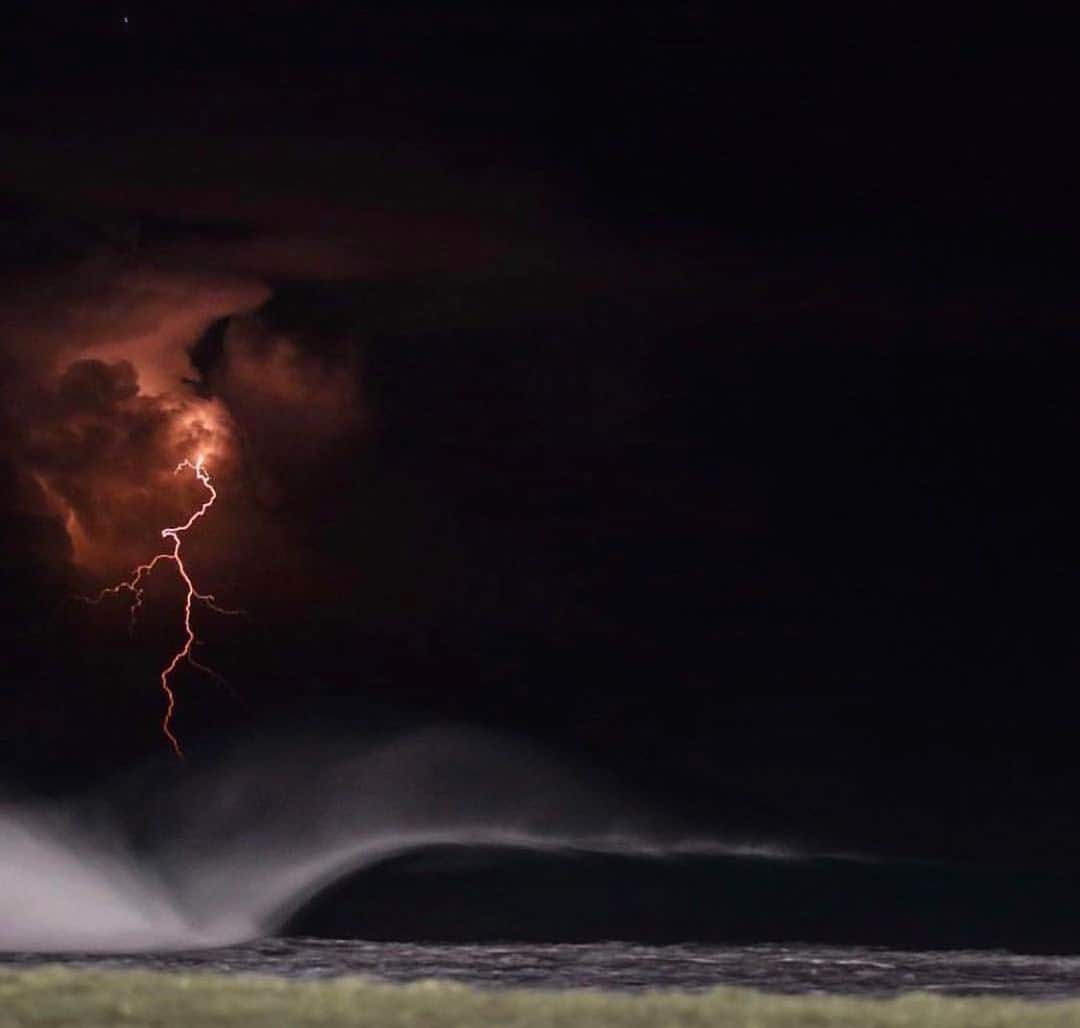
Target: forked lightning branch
[135, 587]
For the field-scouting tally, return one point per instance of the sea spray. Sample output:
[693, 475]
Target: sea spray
[226, 852]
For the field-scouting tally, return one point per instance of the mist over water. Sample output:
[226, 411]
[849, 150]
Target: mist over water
[62, 889]
[219, 854]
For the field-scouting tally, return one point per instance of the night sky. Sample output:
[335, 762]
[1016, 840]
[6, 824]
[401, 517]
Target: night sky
[684, 393]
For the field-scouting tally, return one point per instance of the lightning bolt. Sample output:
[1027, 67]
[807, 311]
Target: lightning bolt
[136, 585]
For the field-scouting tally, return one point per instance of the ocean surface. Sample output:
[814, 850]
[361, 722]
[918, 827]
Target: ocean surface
[620, 966]
[316, 863]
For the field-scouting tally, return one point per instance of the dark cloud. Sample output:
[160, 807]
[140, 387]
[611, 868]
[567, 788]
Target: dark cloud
[34, 538]
[295, 406]
[94, 387]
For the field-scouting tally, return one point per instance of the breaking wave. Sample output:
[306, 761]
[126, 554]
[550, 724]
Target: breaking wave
[229, 852]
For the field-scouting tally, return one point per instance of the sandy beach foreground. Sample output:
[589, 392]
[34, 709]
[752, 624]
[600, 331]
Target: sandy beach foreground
[91, 999]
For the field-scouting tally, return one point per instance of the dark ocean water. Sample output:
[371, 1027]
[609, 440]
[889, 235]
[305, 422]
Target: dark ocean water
[337, 866]
[621, 966]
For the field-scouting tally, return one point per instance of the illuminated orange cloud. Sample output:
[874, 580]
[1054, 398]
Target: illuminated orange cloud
[98, 408]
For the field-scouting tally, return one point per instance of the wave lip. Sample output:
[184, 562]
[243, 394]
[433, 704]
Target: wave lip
[65, 893]
[233, 853]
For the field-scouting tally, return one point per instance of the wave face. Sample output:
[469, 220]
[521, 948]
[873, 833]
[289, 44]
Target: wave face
[229, 852]
[478, 894]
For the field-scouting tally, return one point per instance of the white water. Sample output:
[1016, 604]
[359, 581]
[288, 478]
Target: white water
[222, 855]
